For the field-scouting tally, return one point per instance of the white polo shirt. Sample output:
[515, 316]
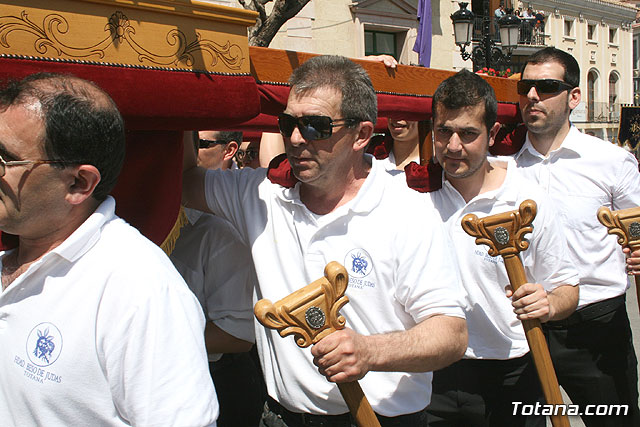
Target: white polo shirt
[400, 263]
[582, 175]
[494, 330]
[217, 266]
[102, 330]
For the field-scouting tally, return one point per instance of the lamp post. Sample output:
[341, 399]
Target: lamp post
[486, 53]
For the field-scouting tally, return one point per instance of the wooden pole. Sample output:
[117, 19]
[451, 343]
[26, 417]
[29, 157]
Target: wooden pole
[504, 234]
[625, 224]
[310, 314]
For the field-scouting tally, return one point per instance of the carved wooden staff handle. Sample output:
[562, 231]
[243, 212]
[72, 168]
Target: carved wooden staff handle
[625, 224]
[310, 314]
[504, 234]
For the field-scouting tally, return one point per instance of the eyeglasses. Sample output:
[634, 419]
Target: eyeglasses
[246, 156]
[4, 163]
[311, 127]
[206, 143]
[543, 86]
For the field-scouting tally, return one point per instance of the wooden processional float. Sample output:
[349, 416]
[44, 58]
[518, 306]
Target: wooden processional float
[310, 314]
[168, 64]
[504, 235]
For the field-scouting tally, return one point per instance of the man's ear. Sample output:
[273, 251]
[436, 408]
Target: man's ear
[574, 97]
[493, 132]
[230, 150]
[365, 131]
[84, 179]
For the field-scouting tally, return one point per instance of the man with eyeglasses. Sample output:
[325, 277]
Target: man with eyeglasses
[217, 149]
[592, 349]
[404, 318]
[216, 264]
[96, 326]
[248, 155]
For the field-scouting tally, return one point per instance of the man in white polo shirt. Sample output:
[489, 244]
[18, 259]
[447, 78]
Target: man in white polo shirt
[404, 318]
[497, 368]
[592, 349]
[96, 326]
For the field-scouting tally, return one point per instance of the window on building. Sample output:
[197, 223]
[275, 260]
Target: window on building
[591, 31]
[592, 78]
[613, 88]
[613, 35]
[378, 43]
[568, 27]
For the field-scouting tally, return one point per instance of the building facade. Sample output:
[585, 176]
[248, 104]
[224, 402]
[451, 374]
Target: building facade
[598, 33]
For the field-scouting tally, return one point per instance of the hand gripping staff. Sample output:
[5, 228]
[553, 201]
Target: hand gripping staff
[310, 314]
[504, 234]
[624, 223]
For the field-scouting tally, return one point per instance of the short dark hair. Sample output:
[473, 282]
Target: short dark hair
[359, 99]
[466, 89]
[566, 60]
[82, 123]
[228, 136]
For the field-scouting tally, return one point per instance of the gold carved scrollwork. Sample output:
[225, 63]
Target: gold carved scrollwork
[50, 37]
[503, 233]
[624, 223]
[310, 313]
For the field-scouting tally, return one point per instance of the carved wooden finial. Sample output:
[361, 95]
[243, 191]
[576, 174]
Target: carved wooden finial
[310, 313]
[504, 232]
[624, 223]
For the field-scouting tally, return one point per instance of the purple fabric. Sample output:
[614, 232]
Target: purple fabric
[423, 41]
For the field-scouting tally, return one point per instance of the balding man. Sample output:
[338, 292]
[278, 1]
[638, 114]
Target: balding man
[96, 326]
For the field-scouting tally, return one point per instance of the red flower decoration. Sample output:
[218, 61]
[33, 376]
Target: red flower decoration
[424, 179]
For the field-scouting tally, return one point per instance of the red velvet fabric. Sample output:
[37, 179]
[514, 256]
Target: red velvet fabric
[149, 188]
[159, 99]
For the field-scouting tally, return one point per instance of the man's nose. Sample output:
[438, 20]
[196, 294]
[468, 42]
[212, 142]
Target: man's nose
[455, 143]
[296, 137]
[533, 94]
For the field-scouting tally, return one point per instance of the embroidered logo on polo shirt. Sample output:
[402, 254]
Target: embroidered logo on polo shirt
[44, 344]
[358, 263]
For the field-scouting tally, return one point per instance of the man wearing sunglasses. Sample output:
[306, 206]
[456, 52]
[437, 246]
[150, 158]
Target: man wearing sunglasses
[592, 349]
[96, 326]
[404, 318]
[217, 149]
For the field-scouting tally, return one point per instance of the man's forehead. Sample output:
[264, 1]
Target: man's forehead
[325, 98]
[549, 69]
[20, 123]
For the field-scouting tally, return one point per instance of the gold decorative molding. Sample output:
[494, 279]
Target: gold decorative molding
[504, 232]
[624, 223]
[310, 313]
[95, 32]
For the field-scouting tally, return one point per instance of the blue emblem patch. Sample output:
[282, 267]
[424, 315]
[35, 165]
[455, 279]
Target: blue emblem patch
[44, 344]
[358, 263]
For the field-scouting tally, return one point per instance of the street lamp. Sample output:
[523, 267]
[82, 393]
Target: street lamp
[485, 54]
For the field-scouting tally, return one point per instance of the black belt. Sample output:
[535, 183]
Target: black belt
[588, 312]
[295, 419]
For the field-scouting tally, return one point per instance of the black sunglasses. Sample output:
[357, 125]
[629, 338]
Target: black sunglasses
[311, 127]
[206, 143]
[543, 86]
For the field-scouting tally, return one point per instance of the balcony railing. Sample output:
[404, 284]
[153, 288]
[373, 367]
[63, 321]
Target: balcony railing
[529, 35]
[603, 112]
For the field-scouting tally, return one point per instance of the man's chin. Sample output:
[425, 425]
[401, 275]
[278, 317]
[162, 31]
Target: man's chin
[304, 175]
